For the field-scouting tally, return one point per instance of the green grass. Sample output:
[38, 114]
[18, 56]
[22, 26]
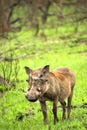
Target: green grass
[56, 53]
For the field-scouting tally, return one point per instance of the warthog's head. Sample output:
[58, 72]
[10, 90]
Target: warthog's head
[38, 82]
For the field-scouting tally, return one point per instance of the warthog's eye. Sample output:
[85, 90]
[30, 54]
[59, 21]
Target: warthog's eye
[38, 89]
[41, 75]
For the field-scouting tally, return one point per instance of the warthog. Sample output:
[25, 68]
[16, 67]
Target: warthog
[56, 85]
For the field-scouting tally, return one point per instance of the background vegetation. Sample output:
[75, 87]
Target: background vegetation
[54, 35]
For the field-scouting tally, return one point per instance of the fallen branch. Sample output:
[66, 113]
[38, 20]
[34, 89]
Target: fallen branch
[80, 19]
[9, 59]
[73, 35]
[10, 50]
[14, 21]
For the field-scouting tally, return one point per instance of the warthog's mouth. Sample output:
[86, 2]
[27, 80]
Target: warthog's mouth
[32, 100]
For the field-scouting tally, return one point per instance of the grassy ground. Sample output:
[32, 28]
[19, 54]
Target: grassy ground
[55, 52]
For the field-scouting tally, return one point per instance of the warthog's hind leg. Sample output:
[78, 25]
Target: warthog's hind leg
[64, 110]
[69, 104]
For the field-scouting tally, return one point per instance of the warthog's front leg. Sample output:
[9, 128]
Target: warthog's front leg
[55, 111]
[44, 110]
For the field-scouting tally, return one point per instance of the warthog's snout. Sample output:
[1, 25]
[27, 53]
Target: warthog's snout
[32, 96]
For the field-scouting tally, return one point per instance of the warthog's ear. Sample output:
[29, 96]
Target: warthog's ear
[28, 70]
[45, 69]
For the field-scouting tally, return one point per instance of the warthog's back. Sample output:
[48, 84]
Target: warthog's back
[65, 80]
[66, 73]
